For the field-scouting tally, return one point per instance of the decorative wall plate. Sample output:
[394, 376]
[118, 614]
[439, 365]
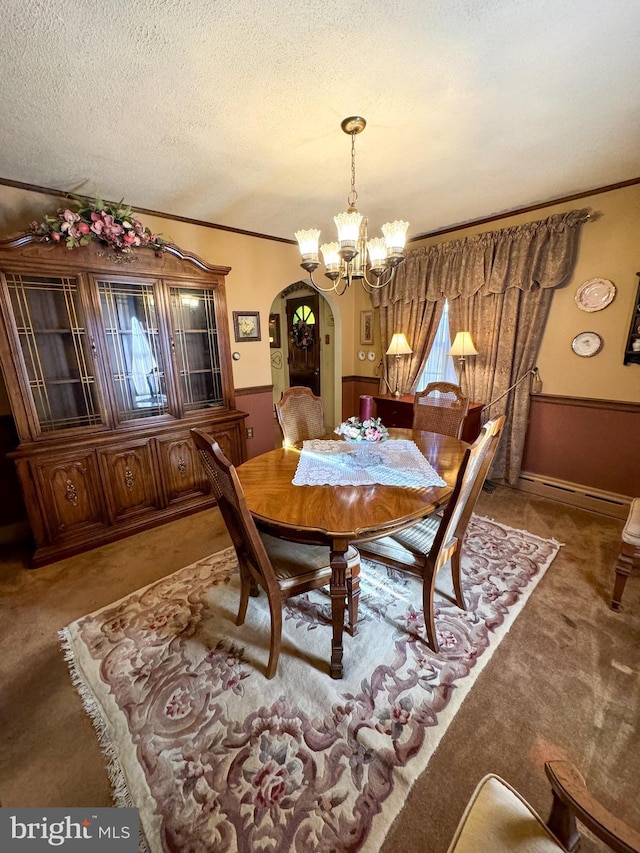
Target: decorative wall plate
[595, 294]
[586, 344]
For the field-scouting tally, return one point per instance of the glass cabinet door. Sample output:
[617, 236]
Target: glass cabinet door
[195, 340]
[57, 352]
[135, 356]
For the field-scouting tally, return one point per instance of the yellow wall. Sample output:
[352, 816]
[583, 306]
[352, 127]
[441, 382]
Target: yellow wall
[260, 269]
[609, 248]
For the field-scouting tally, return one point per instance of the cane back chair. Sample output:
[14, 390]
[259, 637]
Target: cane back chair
[441, 407]
[424, 548]
[283, 569]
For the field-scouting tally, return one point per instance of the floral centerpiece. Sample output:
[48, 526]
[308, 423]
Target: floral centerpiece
[354, 429]
[113, 224]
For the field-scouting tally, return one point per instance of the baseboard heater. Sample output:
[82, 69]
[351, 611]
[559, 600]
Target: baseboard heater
[575, 494]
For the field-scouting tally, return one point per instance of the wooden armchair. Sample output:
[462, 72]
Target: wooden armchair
[283, 569]
[441, 407]
[300, 415]
[424, 548]
[497, 819]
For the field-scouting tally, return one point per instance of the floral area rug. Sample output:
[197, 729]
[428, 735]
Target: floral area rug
[218, 758]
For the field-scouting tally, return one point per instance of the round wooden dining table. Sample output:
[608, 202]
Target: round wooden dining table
[338, 516]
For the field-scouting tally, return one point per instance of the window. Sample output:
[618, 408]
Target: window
[439, 366]
[304, 314]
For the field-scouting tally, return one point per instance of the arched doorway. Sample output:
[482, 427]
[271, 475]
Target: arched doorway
[302, 340]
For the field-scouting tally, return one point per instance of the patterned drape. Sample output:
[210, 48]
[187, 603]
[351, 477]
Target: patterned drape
[499, 286]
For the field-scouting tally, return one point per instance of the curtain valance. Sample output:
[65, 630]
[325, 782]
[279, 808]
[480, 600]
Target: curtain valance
[530, 256]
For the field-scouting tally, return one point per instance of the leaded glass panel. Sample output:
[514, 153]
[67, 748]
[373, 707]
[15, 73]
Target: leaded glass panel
[195, 338]
[56, 350]
[135, 355]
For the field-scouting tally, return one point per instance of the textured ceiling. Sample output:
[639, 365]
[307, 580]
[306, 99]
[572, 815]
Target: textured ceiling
[230, 112]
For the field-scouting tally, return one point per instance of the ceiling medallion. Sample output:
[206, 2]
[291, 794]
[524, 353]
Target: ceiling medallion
[354, 257]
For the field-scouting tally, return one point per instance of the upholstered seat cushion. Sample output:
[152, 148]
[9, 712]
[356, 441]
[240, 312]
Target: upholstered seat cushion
[497, 819]
[631, 531]
[408, 546]
[294, 562]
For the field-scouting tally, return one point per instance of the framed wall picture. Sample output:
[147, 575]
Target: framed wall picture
[274, 331]
[246, 325]
[366, 327]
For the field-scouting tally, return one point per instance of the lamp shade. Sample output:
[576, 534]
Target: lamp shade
[399, 345]
[463, 345]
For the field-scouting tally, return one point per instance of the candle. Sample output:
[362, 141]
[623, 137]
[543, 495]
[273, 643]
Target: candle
[366, 407]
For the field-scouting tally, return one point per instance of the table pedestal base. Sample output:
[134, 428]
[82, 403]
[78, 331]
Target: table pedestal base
[338, 603]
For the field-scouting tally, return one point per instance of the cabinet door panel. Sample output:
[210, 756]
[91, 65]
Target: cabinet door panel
[135, 353]
[72, 496]
[128, 475]
[182, 473]
[194, 334]
[56, 350]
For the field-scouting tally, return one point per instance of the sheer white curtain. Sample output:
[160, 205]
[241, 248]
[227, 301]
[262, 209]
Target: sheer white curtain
[439, 366]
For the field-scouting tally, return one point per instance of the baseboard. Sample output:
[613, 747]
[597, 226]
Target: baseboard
[575, 494]
[12, 533]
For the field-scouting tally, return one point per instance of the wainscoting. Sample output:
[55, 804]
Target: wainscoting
[258, 403]
[583, 451]
[352, 388]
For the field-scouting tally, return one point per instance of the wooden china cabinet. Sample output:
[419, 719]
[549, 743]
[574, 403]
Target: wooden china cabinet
[109, 360]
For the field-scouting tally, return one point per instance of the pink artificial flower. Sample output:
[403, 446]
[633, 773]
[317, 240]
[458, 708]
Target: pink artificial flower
[83, 228]
[55, 235]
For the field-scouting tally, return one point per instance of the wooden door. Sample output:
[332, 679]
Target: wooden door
[303, 334]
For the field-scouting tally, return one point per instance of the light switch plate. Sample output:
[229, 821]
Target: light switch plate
[362, 355]
[371, 356]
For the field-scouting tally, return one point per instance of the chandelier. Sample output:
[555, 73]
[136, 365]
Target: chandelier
[354, 257]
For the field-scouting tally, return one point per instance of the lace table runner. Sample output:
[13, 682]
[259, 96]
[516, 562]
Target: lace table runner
[342, 463]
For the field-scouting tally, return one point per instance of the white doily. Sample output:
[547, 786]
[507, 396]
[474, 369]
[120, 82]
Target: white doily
[342, 463]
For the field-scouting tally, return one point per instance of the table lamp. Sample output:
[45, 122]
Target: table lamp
[398, 346]
[463, 346]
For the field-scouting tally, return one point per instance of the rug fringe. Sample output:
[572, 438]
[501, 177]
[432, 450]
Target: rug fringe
[120, 791]
[518, 530]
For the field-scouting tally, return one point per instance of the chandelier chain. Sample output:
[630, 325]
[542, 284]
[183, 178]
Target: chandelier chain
[353, 195]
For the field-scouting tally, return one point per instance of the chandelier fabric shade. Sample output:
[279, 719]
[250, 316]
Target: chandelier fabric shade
[354, 257]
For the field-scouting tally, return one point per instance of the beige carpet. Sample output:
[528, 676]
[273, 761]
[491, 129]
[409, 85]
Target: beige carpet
[564, 682]
[212, 753]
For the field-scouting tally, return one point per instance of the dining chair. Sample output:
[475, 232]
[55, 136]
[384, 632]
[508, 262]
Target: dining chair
[283, 569]
[300, 415]
[424, 548]
[441, 407]
[498, 819]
